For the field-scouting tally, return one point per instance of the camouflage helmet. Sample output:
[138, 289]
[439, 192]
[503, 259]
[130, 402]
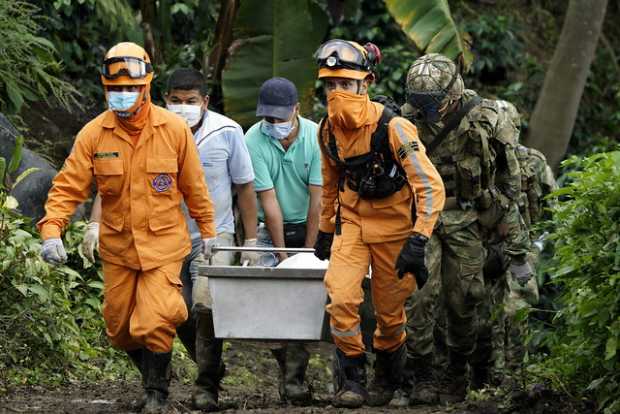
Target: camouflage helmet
[435, 73]
[511, 111]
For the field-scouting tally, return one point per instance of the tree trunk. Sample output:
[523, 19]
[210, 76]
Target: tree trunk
[148, 10]
[554, 116]
[223, 38]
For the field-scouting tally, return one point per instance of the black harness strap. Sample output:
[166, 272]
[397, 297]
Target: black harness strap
[378, 145]
[453, 122]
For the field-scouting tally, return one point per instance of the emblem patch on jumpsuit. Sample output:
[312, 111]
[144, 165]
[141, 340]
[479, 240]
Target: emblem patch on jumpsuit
[162, 183]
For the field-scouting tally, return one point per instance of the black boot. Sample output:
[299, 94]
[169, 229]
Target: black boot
[424, 389]
[349, 380]
[211, 368]
[156, 380]
[293, 362]
[454, 382]
[186, 332]
[402, 395]
[388, 377]
[136, 356]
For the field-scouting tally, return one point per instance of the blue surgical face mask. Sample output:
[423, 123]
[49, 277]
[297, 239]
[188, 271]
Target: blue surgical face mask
[122, 101]
[277, 131]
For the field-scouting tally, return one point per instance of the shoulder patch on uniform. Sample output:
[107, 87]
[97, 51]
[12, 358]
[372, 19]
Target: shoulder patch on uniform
[407, 149]
[104, 155]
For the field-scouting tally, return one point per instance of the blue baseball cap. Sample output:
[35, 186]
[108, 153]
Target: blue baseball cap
[277, 99]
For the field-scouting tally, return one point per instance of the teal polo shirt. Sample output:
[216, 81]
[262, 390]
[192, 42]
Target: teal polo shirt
[288, 172]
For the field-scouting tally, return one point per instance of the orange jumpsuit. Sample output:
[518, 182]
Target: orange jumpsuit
[143, 235]
[374, 231]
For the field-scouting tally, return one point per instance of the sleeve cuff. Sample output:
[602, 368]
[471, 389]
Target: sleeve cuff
[422, 229]
[50, 231]
[327, 227]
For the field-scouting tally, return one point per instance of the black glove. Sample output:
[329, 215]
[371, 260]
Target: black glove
[521, 270]
[411, 259]
[323, 245]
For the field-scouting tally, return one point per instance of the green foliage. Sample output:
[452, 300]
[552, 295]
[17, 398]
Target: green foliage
[271, 39]
[29, 67]
[50, 326]
[495, 44]
[373, 23]
[430, 25]
[82, 31]
[583, 346]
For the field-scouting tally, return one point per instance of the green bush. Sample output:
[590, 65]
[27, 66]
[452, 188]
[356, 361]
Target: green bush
[583, 344]
[51, 329]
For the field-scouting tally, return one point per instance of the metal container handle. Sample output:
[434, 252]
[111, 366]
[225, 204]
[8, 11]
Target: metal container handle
[262, 249]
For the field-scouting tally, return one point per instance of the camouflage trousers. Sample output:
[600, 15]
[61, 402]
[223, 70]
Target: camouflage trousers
[491, 343]
[518, 298]
[455, 289]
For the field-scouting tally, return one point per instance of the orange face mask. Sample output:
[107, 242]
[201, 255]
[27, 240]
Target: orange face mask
[348, 110]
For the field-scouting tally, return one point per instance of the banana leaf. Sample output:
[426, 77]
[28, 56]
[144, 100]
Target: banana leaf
[271, 38]
[430, 25]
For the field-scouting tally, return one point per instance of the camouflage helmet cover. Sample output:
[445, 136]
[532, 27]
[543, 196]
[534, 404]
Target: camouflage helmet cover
[511, 111]
[434, 73]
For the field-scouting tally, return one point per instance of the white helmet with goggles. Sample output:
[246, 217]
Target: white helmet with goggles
[345, 59]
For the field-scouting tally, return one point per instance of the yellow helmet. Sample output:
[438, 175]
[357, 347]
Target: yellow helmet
[126, 64]
[345, 59]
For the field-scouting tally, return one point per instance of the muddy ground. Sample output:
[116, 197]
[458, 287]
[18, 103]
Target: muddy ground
[251, 387]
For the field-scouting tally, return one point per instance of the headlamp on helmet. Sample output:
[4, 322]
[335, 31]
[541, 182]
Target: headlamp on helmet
[341, 58]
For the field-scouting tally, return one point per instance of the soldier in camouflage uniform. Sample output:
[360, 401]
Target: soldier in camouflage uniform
[466, 159]
[508, 244]
[537, 181]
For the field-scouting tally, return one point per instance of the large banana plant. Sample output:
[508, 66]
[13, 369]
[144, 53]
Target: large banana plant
[430, 25]
[271, 38]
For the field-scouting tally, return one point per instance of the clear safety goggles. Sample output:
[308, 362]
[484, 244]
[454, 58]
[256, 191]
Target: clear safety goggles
[130, 66]
[341, 54]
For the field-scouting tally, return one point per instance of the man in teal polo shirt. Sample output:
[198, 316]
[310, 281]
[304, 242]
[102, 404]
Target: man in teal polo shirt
[285, 156]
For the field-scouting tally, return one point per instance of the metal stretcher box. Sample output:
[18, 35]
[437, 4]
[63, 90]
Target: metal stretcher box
[267, 303]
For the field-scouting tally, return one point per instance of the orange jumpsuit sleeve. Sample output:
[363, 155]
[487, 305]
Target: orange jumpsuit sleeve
[330, 174]
[424, 180]
[70, 187]
[194, 187]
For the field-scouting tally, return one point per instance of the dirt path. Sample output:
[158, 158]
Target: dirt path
[250, 386]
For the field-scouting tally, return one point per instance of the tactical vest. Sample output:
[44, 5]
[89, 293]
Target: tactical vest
[373, 175]
[464, 159]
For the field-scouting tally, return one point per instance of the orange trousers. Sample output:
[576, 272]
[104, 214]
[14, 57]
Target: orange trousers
[143, 308]
[348, 265]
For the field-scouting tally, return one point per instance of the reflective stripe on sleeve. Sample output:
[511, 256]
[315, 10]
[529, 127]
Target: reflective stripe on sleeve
[428, 190]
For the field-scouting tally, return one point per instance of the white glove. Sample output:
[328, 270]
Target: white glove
[207, 247]
[91, 241]
[53, 251]
[252, 258]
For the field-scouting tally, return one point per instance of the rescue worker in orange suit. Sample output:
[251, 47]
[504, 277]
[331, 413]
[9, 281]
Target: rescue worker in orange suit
[145, 163]
[381, 199]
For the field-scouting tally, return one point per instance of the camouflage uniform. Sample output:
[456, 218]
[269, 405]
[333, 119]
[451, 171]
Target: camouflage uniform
[537, 182]
[466, 161]
[507, 241]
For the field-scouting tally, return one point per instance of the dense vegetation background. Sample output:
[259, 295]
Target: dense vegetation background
[50, 324]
